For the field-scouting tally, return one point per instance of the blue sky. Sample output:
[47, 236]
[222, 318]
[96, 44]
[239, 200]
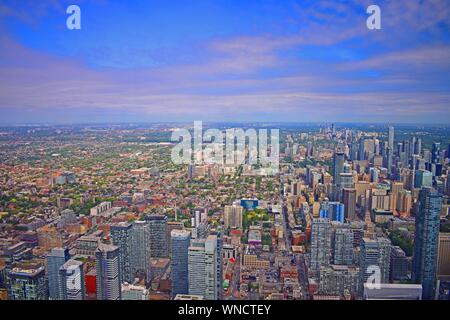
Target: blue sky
[311, 60]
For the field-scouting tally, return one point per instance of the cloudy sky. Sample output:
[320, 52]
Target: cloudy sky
[211, 60]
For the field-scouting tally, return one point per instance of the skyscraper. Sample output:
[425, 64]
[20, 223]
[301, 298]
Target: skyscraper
[391, 138]
[180, 241]
[423, 178]
[107, 267]
[121, 237]
[202, 268]
[140, 248]
[338, 166]
[418, 146]
[435, 150]
[342, 245]
[72, 280]
[428, 208]
[55, 259]
[375, 253]
[157, 231]
[349, 200]
[321, 233]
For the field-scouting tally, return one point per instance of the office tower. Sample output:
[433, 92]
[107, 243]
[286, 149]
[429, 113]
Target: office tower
[180, 241]
[361, 149]
[339, 280]
[407, 152]
[354, 151]
[107, 267]
[349, 200]
[387, 160]
[342, 245]
[447, 184]
[309, 149]
[202, 268]
[423, 178]
[391, 138]
[444, 257]
[27, 281]
[140, 248]
[399, 264]
[232, 216]
[158, 240]
[375, 253]
[55, 259]
[72, 280]
[418, 146]
[428, 207]
[121, 237]
[321, 233]
[338, 166]
[435, 152]
[219, 263]
[374, 175]
[412, 146]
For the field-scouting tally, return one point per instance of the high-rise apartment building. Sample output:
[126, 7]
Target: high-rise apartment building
[232, 216]
[339, 280]
[107, 267]
[342, 245]
[375, 259]
[28, 282]
[72, 280]
[321, 233]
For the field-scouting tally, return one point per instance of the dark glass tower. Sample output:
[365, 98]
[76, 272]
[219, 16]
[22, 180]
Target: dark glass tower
[426, 241]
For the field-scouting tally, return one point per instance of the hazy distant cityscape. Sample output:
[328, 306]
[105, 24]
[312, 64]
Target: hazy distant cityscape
[101, 212]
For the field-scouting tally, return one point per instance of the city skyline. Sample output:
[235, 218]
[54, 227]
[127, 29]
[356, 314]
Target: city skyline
[308, 61]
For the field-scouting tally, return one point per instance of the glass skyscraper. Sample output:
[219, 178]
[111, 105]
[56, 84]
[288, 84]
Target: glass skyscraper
[121, 237]
[55, 259]
[180, 241]
[158, 236]
[426, 241]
